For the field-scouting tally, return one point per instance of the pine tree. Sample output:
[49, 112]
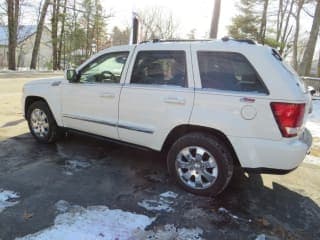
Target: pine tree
[245, 25]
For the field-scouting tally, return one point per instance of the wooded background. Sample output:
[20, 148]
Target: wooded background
[79, 29]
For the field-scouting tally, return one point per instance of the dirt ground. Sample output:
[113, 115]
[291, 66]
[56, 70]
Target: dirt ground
[87, 172]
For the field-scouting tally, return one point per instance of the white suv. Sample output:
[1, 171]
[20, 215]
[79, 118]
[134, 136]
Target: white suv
[209, 105]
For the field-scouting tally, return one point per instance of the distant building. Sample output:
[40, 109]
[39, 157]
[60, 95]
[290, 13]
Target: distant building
[26, 39]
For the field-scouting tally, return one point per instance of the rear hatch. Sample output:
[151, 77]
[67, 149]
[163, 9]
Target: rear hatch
[291, 117]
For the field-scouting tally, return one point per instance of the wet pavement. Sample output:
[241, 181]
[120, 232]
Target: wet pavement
[86, 171]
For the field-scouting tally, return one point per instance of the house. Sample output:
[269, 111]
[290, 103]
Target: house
[25, 43]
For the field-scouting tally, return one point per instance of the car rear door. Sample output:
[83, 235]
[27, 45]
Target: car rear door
[158, 94]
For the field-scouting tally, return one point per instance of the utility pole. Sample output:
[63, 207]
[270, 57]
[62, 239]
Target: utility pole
[215, 19]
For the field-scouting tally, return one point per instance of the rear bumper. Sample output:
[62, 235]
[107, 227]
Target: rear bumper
[261, 155]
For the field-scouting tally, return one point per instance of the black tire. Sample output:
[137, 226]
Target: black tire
[54, 132]
[220, 152]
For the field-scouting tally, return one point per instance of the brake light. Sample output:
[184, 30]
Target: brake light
[289, 117]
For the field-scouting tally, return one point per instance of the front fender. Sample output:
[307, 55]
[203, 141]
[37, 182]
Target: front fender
[51, 93]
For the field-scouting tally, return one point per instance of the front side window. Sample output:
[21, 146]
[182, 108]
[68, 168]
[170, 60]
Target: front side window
[228, 71]
[160, 68]
[105, 69]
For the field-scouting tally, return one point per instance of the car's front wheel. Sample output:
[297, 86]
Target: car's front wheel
[200, 163]
[41, 122]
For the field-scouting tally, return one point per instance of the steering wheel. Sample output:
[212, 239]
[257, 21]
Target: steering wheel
[107, 75]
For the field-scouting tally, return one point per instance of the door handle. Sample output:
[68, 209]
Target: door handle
[107, 95]
[175, 100]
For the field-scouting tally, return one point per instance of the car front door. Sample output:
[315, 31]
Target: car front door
[158, 94]
[91, 103]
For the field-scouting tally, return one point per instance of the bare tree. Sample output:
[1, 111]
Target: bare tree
[296, 34]
[281, 14]
[40, 25]
[305, 66]
[119, 37]
[13, 12]
[54, 33]
[286, 32]
[318, 66]
[263, 24]
[156, 23]
[61, 36]
[215, 19]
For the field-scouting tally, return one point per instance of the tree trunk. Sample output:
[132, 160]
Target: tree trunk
[263, 26]
[54, 33]
[279, 20]
[305, 66]
[62, 32]
[285, 35]
[318, 67]
[36, 47]
[296, 36]
[13, 18]
[215, 19]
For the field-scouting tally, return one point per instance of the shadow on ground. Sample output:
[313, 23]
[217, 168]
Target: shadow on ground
[87, 171]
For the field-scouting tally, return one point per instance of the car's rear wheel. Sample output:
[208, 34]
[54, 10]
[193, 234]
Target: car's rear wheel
[41, 123]
[200, 163]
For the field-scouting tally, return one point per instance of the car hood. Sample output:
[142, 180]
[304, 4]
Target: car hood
[46, 81]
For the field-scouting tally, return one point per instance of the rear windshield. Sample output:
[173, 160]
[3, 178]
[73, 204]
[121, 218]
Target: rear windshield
[228, 71]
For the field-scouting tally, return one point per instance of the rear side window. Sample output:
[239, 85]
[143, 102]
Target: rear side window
[228, 71]
[160, 68]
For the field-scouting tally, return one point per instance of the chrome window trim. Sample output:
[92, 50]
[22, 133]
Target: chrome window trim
[228, 92]
[158, 87]
[108, 123]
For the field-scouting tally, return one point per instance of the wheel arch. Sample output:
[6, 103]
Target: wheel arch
[181, 130]
[32, 99]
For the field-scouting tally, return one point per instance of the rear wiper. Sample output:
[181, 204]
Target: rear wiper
[276, 54]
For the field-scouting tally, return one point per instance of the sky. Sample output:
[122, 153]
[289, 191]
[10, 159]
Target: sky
[190, 14]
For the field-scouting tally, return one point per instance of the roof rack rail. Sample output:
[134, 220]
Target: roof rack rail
[249, 41]
[156, 40]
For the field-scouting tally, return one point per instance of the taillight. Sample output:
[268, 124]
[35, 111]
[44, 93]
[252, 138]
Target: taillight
[289, 117]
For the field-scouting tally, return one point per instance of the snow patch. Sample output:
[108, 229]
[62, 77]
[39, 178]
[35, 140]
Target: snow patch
[169, 194]
[169, 232]
[164, 203]
[261, 237]
[222, 210]
[96, 222]
[62, 206]
[75, 166]
[72, 163]
[312, 159]
[8, 199]
[314, 128]
[313, 123]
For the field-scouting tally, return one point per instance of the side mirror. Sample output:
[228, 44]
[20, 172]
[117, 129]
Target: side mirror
[311, 90]
[71, 75]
